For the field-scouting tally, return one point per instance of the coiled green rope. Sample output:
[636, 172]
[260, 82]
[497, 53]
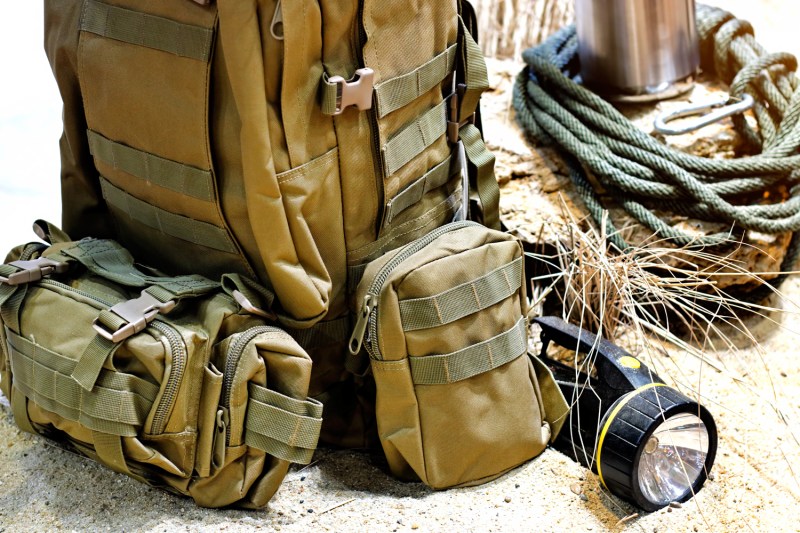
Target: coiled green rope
[638, 171]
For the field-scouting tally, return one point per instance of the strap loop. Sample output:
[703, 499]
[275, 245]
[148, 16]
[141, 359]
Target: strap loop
[472, 360]
[284, 427]
[462, 300]
[399, 91]
[415, 138]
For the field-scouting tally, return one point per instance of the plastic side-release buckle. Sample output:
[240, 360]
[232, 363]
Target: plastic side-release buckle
[356, 91]
[138, 313]
[33, 270]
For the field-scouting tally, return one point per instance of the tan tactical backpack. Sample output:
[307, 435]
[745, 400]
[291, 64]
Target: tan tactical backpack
[253, 160]
[211, 137]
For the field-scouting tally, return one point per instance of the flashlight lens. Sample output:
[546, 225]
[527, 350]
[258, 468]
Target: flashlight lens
[673, 458]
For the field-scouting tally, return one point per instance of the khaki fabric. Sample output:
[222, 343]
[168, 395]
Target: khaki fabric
[197, 136]
[458, 397]
[207, 399]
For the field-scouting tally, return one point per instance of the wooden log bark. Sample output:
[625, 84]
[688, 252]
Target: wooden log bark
[507, 27]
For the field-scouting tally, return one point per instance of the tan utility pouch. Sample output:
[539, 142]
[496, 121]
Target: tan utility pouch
[168, 380]
[444, 322]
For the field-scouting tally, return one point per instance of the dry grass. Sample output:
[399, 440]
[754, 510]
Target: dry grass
[664, 304]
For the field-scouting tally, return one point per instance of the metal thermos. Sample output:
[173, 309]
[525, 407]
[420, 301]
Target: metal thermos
[637, 49]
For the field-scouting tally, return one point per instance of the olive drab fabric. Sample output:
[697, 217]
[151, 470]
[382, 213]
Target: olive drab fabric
[444, 320]
[205, 138]
[251, 159]
[166, 379]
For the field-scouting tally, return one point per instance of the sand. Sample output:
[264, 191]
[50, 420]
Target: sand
[755, 401]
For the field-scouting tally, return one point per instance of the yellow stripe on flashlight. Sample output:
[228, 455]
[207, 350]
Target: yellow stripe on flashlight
[625, 399]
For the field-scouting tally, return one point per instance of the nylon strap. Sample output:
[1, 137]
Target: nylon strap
[107, 259]
[475, 74]
[6, 291]
[118, 405]
[146, 30]
[50, 233]
[281, 426]
[415, 138]
[354, 275]
[330, 92]
[482, 179]
[462, 300]
[397, 92]
[258, 295]
[88, 367]
[322, 334]
[111, 261]
[109, 450]
[184, 179]
[433, 179]
[11, 298]
[471, 361]
[180, 227]
[134, 315]
[19, 407]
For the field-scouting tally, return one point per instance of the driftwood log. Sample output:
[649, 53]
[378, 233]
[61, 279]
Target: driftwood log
[507, 27]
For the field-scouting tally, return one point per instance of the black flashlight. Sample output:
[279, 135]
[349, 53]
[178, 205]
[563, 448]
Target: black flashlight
[648, 443]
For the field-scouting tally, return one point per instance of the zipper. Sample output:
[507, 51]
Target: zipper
[179, 357]
[377, 154]
[366, 328]
[276, 27]
[176, 346]
[102, 304]
[235, 352]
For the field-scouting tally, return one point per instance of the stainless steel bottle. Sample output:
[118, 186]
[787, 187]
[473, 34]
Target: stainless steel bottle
[637, 49]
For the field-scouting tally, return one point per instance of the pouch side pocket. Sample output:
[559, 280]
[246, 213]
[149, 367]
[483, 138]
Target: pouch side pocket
[207, 419]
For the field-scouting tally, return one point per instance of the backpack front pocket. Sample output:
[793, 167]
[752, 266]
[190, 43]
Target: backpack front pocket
[264, 420]
[444, 325]
[148, 129]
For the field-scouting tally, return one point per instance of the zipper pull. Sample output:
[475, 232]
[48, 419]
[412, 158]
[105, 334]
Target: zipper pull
[357, 338]
[276, 28]
[220, 436]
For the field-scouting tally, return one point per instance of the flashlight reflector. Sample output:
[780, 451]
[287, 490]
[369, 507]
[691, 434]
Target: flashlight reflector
[648, 442]
[673, 458]
[656, 446]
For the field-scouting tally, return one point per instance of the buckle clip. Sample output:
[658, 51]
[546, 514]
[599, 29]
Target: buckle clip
[453, 125]
[357, 91]
[33, 270]
[138, 313]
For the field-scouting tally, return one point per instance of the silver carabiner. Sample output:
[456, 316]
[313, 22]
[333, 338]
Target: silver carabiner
[731, 106]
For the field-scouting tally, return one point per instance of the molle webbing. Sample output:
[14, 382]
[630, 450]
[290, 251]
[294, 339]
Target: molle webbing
[118, 404]
[394, 93]
[178, 226]
[150, 31]
[462, 300]
[284, 427]
[184, 179]
[433, 179]
[472, 360]
[400, 91]
[415, 138]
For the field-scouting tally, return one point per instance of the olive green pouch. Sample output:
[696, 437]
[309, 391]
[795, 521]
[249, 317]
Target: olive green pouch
[443, 320]
[174, 381]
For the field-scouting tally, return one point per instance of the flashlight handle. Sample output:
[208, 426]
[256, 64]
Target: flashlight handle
[615, 367]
